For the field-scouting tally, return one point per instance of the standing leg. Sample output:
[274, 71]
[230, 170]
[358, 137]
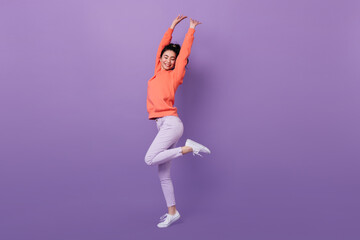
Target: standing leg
[166, 183]
[162, 151]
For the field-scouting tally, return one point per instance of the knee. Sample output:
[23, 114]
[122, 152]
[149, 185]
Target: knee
[148, 159]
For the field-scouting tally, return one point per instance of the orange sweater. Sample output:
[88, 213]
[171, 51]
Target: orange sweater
[162, 86]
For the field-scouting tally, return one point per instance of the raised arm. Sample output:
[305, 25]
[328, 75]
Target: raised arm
[181, 60]
[166, 40]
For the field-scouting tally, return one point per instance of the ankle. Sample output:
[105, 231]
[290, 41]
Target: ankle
[172, 210]
[186, 149]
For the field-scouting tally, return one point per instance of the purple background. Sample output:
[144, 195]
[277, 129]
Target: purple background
[272, 89]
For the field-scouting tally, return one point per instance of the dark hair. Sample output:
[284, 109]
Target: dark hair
[175, 48]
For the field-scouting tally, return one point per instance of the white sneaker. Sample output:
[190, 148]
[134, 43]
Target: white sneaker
[167, 219]
[197, 147]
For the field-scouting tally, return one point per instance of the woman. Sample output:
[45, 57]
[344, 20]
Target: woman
[169, 73]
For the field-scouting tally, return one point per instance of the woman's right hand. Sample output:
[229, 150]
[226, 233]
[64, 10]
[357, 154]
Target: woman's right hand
[178, 19]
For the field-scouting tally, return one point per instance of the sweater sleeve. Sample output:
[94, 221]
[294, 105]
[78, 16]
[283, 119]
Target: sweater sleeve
[164, 41]
[181, 61]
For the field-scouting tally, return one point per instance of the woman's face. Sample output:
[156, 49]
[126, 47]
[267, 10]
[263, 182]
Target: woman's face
[168, 60]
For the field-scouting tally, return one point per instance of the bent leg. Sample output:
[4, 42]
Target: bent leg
[161, 151]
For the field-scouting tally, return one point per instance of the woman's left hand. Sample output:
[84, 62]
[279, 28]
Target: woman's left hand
[194, 23]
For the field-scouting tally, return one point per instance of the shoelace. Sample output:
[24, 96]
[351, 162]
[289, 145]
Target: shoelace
[197, 153]
[163, 217]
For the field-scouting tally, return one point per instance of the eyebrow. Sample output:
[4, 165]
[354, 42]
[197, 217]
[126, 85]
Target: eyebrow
[168, 55]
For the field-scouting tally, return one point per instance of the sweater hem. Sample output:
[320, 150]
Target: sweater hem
[154, 116]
